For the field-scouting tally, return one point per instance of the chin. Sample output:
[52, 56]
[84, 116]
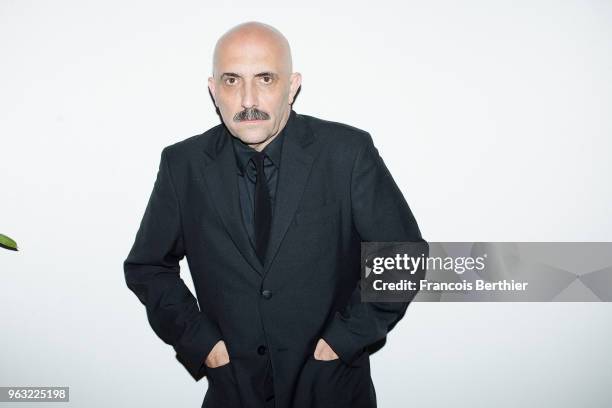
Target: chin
[251, 137]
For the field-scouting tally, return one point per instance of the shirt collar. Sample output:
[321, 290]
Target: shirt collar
[244, 152]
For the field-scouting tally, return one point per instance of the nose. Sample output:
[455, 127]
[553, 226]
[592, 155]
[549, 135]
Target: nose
[249, 94]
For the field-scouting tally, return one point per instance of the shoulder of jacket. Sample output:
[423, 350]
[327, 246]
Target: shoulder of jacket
[338, 132]
[192, 145]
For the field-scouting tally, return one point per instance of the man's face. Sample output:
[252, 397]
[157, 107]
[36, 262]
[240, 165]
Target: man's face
[253, 89]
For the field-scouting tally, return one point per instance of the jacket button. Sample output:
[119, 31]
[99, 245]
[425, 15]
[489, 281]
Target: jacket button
[266, 294]
[261, 350]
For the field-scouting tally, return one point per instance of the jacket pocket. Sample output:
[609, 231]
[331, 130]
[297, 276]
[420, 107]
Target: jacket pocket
[221, 373]
[324, 384]
[222, 388]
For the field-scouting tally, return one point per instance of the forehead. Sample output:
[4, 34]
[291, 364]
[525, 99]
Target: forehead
[249, 57]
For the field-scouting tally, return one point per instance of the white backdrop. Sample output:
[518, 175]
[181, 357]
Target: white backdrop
[493, 117]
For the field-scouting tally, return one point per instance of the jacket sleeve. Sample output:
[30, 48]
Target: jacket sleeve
[152, 272]
[380, 214]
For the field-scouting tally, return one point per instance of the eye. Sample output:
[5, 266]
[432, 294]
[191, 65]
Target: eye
[266, 79]
[230, 80]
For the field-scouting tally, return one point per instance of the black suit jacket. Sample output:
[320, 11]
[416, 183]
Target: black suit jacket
[334, 191]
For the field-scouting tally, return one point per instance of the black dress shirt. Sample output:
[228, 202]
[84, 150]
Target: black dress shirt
[247, 175]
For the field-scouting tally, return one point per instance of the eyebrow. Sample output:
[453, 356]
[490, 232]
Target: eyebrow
[261, 74]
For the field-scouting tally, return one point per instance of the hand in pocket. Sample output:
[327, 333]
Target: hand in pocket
[323, 351]
[218, 356]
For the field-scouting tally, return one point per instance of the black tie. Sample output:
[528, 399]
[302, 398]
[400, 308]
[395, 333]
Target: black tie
[263, 208]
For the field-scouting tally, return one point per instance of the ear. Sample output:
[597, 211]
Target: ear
[211, 88]
[296, 82]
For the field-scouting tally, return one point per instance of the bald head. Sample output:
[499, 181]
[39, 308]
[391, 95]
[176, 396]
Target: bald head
[250, 35]
[253, 84]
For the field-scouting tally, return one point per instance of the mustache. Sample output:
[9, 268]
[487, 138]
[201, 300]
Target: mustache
[251, 114]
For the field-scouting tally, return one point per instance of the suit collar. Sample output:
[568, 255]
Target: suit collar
[219, 172]
[296, 126]
[244, 152]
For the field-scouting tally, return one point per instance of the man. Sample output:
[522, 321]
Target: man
[275, 260]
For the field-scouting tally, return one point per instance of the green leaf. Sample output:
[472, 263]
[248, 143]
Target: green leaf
[8, 243]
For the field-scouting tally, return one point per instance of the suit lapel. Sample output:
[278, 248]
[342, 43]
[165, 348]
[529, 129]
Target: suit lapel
[296, 161]
[220, 175]
[222, 182]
